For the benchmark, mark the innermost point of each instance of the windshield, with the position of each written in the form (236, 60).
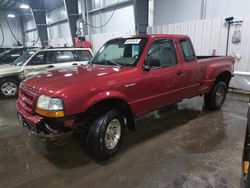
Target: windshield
(23, 58)
(120, 52)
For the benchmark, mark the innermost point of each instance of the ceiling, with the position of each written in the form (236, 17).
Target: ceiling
(8, 4)
(13, 5)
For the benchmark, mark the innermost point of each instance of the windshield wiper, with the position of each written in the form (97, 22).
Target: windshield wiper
(112, 62)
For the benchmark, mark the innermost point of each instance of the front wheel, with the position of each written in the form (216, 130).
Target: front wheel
(8, 87)
(216, 98)
(105, 135)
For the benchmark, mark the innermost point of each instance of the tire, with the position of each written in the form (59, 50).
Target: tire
(98, 140)
(9, 87)
(216, 98)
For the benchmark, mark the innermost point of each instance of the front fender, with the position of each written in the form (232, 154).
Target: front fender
(103, 96)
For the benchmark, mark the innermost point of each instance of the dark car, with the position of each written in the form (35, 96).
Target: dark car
(4, 49)
(246, 154)
(11, 55)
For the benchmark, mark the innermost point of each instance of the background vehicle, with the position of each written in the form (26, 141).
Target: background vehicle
(246, 154)
(127, 78)
(10, 55)
(36, 61)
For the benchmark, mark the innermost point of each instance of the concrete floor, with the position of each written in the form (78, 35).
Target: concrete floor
(182, 146)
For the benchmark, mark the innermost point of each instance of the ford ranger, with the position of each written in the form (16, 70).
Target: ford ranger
(127, 78)
(35, 61)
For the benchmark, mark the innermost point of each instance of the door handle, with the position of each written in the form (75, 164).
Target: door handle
(179, 73)
(50, 66)
(74, 64)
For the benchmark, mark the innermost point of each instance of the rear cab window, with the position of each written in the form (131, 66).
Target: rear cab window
(187, 50)
(83, 55)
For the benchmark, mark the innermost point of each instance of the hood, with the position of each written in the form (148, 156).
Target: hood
(62, 82)
(9, 69)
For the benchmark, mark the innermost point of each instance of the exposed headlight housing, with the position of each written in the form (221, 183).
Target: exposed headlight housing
(50, 107)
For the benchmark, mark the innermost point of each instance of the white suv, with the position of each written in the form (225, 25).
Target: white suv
(36, 61)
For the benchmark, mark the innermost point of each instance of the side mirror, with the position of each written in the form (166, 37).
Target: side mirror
(145, 66)
(155, 62)
(152, 63)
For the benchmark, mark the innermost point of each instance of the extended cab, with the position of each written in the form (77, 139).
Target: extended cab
(35, 61)
(127, 78)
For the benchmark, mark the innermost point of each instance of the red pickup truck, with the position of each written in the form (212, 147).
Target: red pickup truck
(127, 78)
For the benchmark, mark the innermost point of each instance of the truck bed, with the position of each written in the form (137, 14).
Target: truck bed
(206, 57)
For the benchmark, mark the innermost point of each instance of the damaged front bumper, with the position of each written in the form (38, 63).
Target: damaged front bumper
(48, 128)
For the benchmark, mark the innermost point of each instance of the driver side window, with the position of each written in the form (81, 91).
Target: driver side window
(162, 54)
(38, 59)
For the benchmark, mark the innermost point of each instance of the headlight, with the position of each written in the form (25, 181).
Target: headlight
(50, 107)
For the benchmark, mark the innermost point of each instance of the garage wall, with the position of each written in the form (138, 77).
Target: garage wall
(58, 29)
(209, 36)
(174, 11)
(31, 34)
(122, 20)
(16, 28)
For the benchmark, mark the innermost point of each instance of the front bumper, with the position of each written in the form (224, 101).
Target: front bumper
(48, 128)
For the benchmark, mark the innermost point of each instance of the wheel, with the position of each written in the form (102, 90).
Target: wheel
(105, 135)
(215, 99)
(9, 87)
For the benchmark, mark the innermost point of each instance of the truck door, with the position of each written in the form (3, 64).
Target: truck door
(189, 69)
(159, 84)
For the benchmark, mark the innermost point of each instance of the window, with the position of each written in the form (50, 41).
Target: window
(84, 55)
(38, 59)
(23, 58)
(162, 54)
(53, 57)
(187, 50)
(120, 51)
(11, 56)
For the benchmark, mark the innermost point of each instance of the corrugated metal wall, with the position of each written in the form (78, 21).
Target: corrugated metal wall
(15, 26)
(58, 34)
(31, 34)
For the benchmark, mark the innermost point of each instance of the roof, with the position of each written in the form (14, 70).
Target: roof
(64, 49)
(175, 36)
(172, 36)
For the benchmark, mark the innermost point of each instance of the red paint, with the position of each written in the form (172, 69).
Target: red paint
(83, 86)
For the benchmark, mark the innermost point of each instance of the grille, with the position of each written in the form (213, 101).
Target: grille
(27, 98)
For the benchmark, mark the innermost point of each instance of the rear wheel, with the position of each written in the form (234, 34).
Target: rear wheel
(8, 87)
(215, 99)
(105, 135)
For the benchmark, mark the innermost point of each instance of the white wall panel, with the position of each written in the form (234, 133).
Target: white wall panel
(174, 11)
(31, 37)
(9, 40)
(56, 15)
(58, 34)
(123, 19)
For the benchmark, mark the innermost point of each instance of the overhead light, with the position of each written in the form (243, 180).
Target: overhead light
(24, 6)
(11, 16)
